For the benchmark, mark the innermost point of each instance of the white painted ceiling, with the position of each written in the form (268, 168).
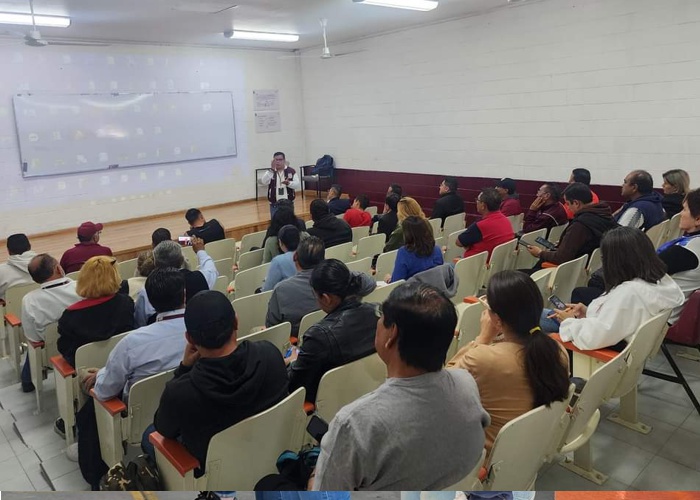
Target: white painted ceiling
(202, 22)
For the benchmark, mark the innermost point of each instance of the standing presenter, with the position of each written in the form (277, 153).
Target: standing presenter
(281, 180)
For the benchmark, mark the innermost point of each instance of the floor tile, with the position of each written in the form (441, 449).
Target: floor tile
(39, 481)
(18, 483)
(617, 459)
(559, 478)
(28, 459)
(41, 436)
(683, 448)
(9, 469)
(663, 474)
(72, 481)
(662, 408)
(58, 466)
(692, 423)
(6, 451)
(652, 442)
(662, 388)
(50, 450)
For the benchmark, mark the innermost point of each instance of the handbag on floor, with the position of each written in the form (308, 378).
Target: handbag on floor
(140, 474)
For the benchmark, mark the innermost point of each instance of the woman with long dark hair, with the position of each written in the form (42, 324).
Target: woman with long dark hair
(419, 252)
(284, 215)
(516, 366)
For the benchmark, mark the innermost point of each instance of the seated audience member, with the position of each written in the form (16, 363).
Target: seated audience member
(144, 267)
(356, 216)
(219, 381)
(336, 204)
(344, 335)
(393, 189)
(636, 288)
(87, 246)
(101, 314)
(523, 370)
(160, 234)
(491, 230)
(546, 211)
(584, 232)
(386, 222)
(332, 230)
(583, 176)
(449, 202)
(282, 266)
(14, 271)
(422, 403)
(643, 208)
(168, 254)
(146, 351)
(406, 207)
(510, 200)
(206, 230)
(45, 305)
(419, 252)
(676, 185)
(293, 298)
(284, 216)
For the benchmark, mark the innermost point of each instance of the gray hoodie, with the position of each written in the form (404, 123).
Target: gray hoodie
(14, 271)
(441, 277)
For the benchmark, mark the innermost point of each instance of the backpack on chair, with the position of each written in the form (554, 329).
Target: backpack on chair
(325, 166)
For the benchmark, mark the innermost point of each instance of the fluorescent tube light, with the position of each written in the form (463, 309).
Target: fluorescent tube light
(258, 35)
(422, 5)
(26, 20)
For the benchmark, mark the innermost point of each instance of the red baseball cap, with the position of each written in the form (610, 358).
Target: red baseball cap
(88, 229)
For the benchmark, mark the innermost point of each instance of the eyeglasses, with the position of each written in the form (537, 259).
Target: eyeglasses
(484, 302)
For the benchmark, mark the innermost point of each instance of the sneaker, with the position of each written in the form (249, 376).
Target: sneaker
(72, 452)
(59, 427)
(28, 387)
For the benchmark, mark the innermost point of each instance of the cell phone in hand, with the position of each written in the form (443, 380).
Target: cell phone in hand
(185, 240)
(524, 243)
(557, 302)
(545, 243)
(317, 428)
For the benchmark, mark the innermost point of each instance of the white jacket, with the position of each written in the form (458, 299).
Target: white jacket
(616, 315)
(14, 271)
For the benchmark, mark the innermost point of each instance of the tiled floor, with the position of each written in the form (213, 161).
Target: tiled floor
(32, 456)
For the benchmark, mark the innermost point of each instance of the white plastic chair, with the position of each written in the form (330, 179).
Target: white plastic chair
(278, 335)
(468, 326)
(523, 259)
(251, 311)
(436, 224)
(307, 321)
(470, 276)
(361, 265)
(13, 322)
(342, 252)
(221, 284)
(502, 259)
(250, 259)
(385, 265)
(453, 223)
(565, 277)
(555, 233)
(190, 257)
(516, 221)
(127, 268)
(381, 293)
(246, 282)
(222, 249)
(657, 234)
(238, 456)
(309, 224)
(73, 275)
(674, 230)
(470, 482)
(251, 240)
(372, 210)
(453, 251)
(358, 233)
(369, 246)
(39, 354)
(225, 268)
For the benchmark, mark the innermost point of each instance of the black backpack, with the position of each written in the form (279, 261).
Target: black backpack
(140, 474)
(325, 166)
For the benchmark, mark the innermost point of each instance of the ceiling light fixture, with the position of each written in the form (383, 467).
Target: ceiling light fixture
(422, 5)
(26, 20)
(261, 36)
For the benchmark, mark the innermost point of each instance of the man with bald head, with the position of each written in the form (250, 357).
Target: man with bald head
(45, 305)
(643, 209)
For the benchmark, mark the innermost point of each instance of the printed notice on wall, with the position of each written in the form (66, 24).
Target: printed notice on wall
(267, 121)
(266, 100)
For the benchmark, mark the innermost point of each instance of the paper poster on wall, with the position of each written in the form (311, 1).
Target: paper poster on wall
(267, 121)
(266, 100)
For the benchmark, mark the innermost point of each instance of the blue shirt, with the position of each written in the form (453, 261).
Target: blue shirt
(144, 352)
(281, 268)
(408, 263)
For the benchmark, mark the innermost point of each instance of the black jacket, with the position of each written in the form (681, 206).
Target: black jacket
(345, 335)
(92, 320)
(216, 393)
(339, 206)
(210, 231)
(447, 204)
(387, 223)
(672, 203)
(332, 230)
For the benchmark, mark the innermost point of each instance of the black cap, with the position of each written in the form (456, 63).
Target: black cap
(506, 183)
(209, 313)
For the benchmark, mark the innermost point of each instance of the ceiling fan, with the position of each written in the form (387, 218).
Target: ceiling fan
(326, 51)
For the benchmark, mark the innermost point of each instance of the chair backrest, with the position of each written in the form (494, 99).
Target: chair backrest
(95, 354)
(470, 482)
(222, 249)
(469, 323)
(221, 284)
(595, 262)
(436, 224)
(502, 258)
(334, 391)
(657, 234)
(674, 230)
(144, 398)
(73, 275)
(250, 259)
(522, 445)
(541, 279)
(453, 251)
(516, 221)
(686, 330)
(372, 210)
(309, 224)
(190, 257)
(453, 223)
(225, 267)
(638, 350)
(359, 232)
(369, 246)
(51, 341)
(555, 233)
(385, 264)
(14, 296)
(360, 265)
(470, 275)
(381, 293)
(523, 259)
(308, 320)
(251, 240)
(565, 277)
(248, 450)
(127, 268)
(342, 252)
(278, 335)
(251, 311)
(246, 282)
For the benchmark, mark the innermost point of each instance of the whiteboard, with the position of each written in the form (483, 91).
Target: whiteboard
(61, 134)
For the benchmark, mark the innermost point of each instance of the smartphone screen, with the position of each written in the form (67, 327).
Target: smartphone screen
(523, 243)
(545, 243)
(557, 302)
(317, 427)
(185, 240)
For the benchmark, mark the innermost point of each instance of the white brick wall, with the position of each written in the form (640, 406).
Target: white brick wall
(528, 91)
